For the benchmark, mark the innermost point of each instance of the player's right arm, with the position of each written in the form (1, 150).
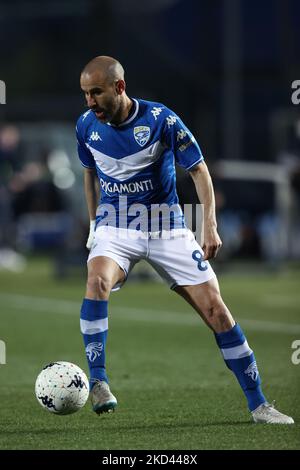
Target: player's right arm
(91, 188)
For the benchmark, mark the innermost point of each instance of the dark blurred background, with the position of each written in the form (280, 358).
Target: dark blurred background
(225, 66)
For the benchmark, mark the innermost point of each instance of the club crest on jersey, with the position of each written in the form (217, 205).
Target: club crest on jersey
(141, 134)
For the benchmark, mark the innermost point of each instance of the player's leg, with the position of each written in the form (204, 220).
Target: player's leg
(112, 256)
(179, 260)
(239, 358)
(103, 274)
(207, 301)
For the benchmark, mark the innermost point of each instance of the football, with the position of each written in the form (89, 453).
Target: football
(62, 388)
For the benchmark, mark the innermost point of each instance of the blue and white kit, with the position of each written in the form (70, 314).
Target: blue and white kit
(135, 164)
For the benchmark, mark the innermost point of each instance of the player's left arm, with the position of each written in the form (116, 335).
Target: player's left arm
(205, 191)
(188, 155)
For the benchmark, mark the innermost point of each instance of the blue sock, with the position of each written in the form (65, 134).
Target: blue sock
(94, 326)
(240, 359)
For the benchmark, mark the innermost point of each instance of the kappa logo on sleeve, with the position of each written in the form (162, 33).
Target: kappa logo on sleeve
(171, 120)
(156, 111)
(181, 134)
(95, 136)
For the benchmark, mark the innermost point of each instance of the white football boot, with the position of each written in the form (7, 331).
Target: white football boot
(266, 413)
(103, 401)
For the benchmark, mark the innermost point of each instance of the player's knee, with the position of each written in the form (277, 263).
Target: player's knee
(218, 315)
(99, 285)
(104, 285)
(216, 310)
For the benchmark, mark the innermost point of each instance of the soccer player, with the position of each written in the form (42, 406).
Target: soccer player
(132, 146)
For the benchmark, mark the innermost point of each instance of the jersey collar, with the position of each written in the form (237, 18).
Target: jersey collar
(132, 116)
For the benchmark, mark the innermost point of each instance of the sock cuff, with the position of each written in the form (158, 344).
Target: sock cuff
(231, 338)
(94, 309)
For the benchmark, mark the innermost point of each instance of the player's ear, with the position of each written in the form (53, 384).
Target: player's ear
(120, 86)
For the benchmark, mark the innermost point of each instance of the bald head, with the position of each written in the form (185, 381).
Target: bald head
(108, 68)
(103, 84)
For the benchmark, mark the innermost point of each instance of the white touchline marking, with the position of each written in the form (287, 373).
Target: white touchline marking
(71, 307)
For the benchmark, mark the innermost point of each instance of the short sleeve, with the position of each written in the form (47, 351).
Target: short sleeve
(182, 142)
(85, 156)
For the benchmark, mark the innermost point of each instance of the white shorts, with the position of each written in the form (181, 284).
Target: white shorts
(175, 255)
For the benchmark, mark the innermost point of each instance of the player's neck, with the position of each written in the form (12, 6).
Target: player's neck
(124, 112)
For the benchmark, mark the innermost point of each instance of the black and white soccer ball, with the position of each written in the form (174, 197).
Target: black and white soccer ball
(62, 388)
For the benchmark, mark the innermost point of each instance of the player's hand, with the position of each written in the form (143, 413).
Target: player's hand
(91, 234)
(212, 243)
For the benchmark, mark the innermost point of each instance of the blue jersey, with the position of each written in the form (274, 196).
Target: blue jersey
(135, 161)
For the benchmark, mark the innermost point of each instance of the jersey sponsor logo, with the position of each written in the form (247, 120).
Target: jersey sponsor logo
(121, 188)
(95, 136)
(156, 111)
(171, 120)
(94, 350)
(141, 134)
(252, 371)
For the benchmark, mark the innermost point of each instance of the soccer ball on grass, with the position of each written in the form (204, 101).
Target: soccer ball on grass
(62, 388)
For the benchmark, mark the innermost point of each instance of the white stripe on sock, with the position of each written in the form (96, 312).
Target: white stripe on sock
(237, 352)
(92, 327)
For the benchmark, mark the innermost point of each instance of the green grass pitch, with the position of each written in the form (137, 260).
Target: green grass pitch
(173, 389)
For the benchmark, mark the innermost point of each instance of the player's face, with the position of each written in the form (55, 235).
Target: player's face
(103, 97)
